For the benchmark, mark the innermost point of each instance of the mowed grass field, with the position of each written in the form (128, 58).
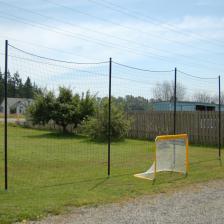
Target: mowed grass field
(50, 173)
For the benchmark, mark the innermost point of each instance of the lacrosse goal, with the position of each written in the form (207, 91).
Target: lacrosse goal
(171, 154)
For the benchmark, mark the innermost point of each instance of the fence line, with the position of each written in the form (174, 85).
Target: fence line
(201, 127)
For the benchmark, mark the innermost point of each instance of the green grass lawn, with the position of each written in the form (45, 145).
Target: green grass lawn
(12, 115)
(49, 173)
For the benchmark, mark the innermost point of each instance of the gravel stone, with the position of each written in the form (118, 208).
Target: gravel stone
(196, 204)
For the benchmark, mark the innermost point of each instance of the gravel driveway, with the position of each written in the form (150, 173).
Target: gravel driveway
(201, 203)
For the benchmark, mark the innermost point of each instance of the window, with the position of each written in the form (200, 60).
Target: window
(205, 108)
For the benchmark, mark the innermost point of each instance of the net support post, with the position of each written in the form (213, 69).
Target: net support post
(187, 155)
(175, 101)
(109, 118)
(5, 117)
(219, 144)
(174, 113)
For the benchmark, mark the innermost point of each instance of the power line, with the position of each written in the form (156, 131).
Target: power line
(40, 26)
(44, 47)
(138, 15)
(126, 40)
(158, 36)
(98, 41)
(62, 32)
(123, 39)
(130, 28)
(46, 27)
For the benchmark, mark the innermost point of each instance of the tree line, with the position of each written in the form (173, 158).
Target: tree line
(164, 91)
(17, 88)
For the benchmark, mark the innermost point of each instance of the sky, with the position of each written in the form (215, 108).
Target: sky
(154, 35)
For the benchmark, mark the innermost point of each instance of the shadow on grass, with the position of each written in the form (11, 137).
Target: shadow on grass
(57, 135)
(169, 177)
(70, 183)
(72, 136)
(63, 136)
(63, 184)
(89, 180)
(99, 184)
(162, 177)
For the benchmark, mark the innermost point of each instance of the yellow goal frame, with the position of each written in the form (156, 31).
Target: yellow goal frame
(169, 137)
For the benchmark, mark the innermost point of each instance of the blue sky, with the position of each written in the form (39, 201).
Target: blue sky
(158, 35)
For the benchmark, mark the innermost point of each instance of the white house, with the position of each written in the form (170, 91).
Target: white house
(15, 105)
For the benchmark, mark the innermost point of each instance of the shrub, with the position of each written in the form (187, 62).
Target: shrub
(97, 126)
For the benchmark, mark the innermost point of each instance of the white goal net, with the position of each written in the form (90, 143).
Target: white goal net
(171, 154)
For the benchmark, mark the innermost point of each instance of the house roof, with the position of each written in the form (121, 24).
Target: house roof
(13, 101)
(186, 102)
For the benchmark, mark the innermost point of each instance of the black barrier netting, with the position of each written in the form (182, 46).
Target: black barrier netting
(198, 108)
(58, 117)
(2, 133)
(43, 153)
(138, 91)
(2, 156)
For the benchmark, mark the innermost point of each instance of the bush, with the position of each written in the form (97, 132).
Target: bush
(65, 109)
(97, 127)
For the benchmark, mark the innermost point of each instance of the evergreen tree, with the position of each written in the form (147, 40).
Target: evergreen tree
(10, 85)
(17, 85)
(16, 88)
(28, 89)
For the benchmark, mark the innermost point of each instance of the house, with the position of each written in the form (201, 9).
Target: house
(15, 105)
(186, 106)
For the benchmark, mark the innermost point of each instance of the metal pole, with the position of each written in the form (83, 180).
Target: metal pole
(6, 110)
(174, 114)
(109, 117)
(175, 101)
(219, 118)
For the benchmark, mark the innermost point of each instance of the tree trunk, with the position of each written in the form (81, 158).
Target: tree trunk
(64, 128)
